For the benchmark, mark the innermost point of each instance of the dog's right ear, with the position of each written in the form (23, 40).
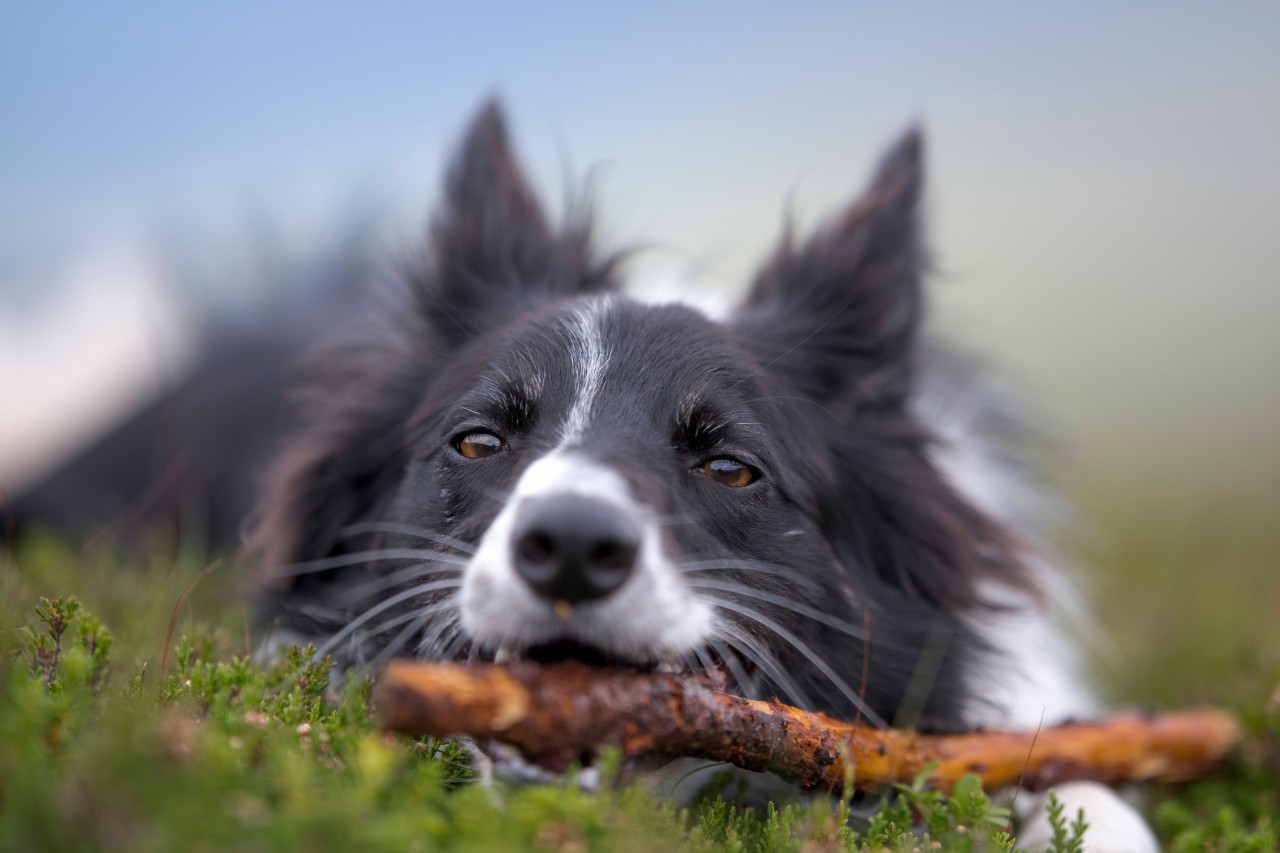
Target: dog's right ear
(494, 255)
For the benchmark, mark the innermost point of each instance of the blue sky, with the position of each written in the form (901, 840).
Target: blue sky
(139, 109)
(1105, 189)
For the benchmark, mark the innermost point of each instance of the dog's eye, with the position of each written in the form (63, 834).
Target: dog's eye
(478, 445)
(728, 471)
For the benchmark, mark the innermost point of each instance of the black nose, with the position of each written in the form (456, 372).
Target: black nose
(574, 549)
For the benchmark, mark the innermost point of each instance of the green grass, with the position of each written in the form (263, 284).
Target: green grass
(103, 746)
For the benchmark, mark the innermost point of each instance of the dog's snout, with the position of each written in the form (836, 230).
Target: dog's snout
(574, 549)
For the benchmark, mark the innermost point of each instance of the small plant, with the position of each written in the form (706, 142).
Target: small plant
(224, 751)
(45, 649)
(1065, 838)
(966, 820)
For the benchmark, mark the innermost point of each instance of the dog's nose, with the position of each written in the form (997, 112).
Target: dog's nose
(574, 549)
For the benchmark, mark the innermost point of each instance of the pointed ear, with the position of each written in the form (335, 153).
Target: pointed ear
(838, 315)
(493, 253)
(487, 195)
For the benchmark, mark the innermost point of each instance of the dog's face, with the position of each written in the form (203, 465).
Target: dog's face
(536, 466)
(618, 465)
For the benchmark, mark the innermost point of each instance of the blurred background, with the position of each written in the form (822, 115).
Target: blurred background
(182, 182)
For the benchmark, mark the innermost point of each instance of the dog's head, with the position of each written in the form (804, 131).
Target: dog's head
(532, 464)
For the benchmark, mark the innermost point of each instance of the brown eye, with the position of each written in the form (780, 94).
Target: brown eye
(728, 471)
(478, 445)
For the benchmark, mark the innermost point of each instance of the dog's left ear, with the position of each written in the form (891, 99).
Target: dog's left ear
(494, 254)
(838, 314)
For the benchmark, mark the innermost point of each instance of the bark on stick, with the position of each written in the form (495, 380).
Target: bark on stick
(563, 711)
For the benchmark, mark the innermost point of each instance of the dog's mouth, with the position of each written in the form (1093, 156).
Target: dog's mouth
(509, 763)
(710, 666)
(568, 649)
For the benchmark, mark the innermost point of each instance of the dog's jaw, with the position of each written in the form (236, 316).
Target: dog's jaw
(652, 618)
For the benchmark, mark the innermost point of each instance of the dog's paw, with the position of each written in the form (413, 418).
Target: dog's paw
(1114, 825)
(498, 763)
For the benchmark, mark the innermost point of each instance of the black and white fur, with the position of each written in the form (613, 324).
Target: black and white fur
(883, 562)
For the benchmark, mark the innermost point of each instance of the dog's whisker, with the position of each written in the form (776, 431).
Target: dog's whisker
(407, 530)
(749, 567)
(758, 655)
(420, 571)
(400, 640)
(780, 601)
(382, 607)
(417, 613)
(389, 581)
(319, 612)
(774, 398)
(729, 563)
(744, 682)
(361, 638)
(431, 644)
(812, 656)
(702, 659)
(455, 647)
(417, 617)
(358, 557)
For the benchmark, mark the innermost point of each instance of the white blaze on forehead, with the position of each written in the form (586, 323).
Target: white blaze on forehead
(590, 356)
(566, 473)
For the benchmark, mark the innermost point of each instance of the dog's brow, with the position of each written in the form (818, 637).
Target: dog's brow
(693, 413)
(695, 405)
(515, 400)
(700, 422)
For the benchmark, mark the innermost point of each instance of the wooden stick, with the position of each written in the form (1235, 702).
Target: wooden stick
(561, 712)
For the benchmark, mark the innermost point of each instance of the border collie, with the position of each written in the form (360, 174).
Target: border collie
(812, 500)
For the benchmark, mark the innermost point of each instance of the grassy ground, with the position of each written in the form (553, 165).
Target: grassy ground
(109, 742)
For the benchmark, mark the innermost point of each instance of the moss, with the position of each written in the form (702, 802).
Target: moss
(101, 748)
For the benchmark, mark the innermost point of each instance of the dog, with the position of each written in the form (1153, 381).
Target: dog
(812, 500)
